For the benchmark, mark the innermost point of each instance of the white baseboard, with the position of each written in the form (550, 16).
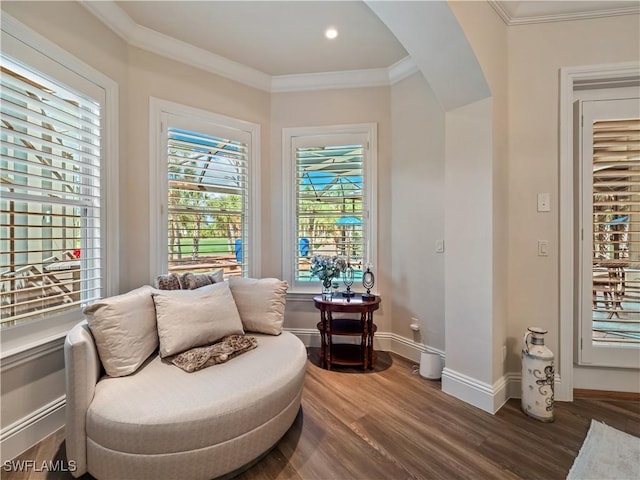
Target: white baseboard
(472, 391)
(515, 387)
(31, 429)
(385, 341)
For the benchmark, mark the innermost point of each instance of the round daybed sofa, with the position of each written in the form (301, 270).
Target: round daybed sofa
(161, 422)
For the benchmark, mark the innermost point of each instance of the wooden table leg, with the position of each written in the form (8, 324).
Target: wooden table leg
(363, 340)
(329, 339)
(370, 338)
(323, 339)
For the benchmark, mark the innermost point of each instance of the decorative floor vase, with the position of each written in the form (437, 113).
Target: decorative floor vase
(537, 376)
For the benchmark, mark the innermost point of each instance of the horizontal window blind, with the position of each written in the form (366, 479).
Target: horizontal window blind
(616, 231)
(208, 192)
(50, 196)
(329, 205)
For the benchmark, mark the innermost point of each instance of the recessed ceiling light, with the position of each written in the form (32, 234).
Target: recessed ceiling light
(331, 33)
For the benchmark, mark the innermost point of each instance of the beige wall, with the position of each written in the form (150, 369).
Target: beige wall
(36, 385)
(330, 107)
(536, 53)
(417, 206)
(150, 75)
(521, 66)
(487, 34)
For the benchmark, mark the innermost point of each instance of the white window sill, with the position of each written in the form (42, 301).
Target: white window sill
(31, 335)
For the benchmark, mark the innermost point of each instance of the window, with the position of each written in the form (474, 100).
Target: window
(52, 247)
(208, 166)
(330, 176)
(610, 318)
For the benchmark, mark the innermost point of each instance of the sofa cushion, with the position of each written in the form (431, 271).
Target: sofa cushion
(161, 409)
(261, 303)
(124, 329)
(191, 318)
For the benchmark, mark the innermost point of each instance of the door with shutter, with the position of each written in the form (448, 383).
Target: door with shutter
(610, 231)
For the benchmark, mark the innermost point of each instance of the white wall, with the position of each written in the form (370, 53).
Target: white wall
(417, 212)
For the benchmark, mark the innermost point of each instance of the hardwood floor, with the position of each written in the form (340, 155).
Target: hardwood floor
(393, 424)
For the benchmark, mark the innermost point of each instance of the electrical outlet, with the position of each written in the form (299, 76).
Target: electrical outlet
(544, 202)
(504, 353)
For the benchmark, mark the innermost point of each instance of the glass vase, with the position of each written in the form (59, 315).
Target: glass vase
(327, 292)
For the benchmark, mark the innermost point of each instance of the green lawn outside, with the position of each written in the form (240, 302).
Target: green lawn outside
(207, 246)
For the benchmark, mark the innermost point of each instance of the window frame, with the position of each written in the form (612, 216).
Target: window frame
(159, 109)
(26, 46)
(289, 187)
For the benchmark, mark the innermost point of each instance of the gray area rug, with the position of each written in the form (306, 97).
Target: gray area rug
(607, 453)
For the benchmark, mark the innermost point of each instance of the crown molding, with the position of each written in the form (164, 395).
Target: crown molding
(114, 17)
(560, 17)
(145, 38)
(402, 69)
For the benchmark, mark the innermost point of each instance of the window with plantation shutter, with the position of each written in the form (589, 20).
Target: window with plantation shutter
(610, 324)
(206, 166)
(51, 242)
(207, 202)
(330, 174)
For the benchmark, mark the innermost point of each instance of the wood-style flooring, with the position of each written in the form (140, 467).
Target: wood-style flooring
(392, 424)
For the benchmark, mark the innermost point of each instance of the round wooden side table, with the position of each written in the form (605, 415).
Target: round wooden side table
(363, 327)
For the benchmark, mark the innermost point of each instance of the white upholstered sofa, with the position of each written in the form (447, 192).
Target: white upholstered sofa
(149, 419)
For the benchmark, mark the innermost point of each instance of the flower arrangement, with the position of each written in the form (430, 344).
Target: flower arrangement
(327, 268)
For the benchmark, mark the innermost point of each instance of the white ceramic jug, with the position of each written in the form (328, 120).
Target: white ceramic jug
(537, 376)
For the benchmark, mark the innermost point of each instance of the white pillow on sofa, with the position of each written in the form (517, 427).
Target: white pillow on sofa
(192, 318)
(124, 329)
(261, 303)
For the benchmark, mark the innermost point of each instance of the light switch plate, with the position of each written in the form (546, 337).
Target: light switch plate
(543, 248)
(439, 246)
(544, 202)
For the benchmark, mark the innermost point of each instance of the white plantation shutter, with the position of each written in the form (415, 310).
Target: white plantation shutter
(50, 196)
(208, 192)
(329, 204)
(612, 215)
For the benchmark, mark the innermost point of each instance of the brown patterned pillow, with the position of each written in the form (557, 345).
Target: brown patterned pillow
(220, 352)
(170, 281)
(191, 281)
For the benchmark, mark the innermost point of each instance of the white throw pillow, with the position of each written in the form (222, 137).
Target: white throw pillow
(191, 318)
(124, 329)
(261, 303)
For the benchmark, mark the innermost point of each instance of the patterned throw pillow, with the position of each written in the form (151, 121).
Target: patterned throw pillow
(223, 351)
(170, 281)
(191, 281)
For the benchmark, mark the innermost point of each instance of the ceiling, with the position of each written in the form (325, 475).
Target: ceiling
(259, 42)
(277, 38)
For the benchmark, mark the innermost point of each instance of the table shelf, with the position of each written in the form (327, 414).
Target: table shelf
(363, 327)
